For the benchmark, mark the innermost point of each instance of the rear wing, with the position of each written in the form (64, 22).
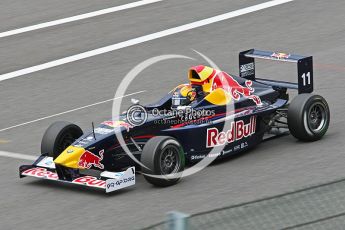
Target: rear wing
(304, 68)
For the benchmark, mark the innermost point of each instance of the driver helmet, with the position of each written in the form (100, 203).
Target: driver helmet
(183, 96)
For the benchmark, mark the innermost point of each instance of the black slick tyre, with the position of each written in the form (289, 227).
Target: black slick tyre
(58, 137)
(308, 117)
(163, 157)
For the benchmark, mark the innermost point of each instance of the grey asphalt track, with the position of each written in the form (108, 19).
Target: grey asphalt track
(311, 27)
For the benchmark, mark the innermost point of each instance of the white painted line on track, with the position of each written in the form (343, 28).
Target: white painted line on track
(143, 39)
(18, 156)
(77, 17)
(69, 111)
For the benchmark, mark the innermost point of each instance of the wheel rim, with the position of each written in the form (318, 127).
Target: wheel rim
(317, 117)
(170, 160)
(66, 141)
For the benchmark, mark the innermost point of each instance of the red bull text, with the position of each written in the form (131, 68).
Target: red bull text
(90, 181)
(41, 173)
(237, 131)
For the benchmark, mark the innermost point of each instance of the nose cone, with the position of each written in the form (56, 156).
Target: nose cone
(70, 157)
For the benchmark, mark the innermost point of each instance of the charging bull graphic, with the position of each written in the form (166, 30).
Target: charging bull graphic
(211, 79)
(228, 83)
(88, 159)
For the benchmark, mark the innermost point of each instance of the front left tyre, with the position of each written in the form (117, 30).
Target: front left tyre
(164, 161)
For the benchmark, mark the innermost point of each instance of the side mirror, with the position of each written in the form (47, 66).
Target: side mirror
(135, 101)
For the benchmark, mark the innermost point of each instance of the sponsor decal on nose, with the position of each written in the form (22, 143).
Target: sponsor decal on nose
(70, 157)
(89, 159)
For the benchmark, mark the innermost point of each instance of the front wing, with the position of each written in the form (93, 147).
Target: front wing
(44, 168)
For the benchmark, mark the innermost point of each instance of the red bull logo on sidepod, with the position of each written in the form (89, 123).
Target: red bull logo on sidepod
(237, 131)
(88, 159)
(228, 83)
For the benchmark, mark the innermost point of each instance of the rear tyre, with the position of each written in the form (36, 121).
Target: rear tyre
(164, 157)
(58, 137)
(308, 117)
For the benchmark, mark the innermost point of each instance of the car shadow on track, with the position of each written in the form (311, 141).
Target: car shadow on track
(71, 188)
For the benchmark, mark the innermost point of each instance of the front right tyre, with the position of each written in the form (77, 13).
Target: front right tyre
(58, 137)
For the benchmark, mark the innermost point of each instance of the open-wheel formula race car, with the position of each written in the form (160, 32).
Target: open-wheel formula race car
(167, 139)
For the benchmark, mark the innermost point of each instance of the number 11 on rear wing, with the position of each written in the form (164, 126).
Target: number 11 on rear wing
(304, 69)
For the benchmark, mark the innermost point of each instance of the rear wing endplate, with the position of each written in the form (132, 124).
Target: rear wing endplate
(304, 68)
